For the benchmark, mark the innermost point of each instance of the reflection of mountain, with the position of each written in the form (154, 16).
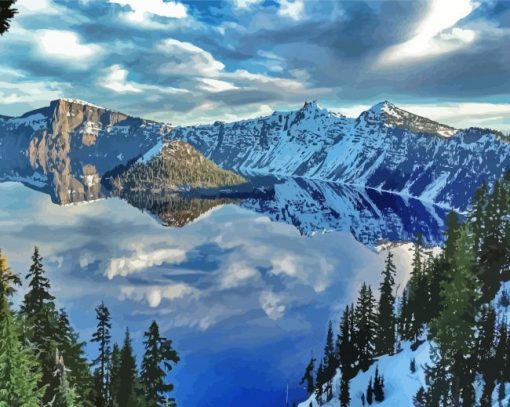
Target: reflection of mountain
(312, 207)
(173, 209)
(371, 216)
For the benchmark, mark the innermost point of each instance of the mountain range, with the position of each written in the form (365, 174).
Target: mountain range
(68, 146)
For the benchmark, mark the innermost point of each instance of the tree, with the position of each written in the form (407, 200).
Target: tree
(454, 329)
(7, 12)
(102, 363)
(378, 389)
(385, 315)
(19, 372)
(127, 374)
(115, 361)
(157, 363)
(329, 361)
(370, 392)
(366, 326)
(346, 346)
(40, 318)
(345, 397)
(308, 376)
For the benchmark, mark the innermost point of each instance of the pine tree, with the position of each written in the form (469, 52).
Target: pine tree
(345, 397)
(385, 315)
(308, 376)
(370, 392)
(102, 363)
(329, 361)
(319, 383)
(366, 326)
(345, 349)
(454, 329)
(19, 371)
(419, 398)
(127, 374)
(7, 12)
(40, 318)
(115, 374)
(157, 363)
(412, 365)
(378, 389)
(417, 299)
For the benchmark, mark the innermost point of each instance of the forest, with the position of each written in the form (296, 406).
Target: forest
(43, 360)
(454, 299)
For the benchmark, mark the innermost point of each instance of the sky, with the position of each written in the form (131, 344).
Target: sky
(186, 62)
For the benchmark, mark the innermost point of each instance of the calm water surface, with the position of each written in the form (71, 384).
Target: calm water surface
(245, 299)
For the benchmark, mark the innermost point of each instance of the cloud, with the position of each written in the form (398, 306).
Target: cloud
(291, 8)
(237, 274)
(153, 295)
(246, 4)
(140, 8)
(216, 85)
(430, 38)
(66, 46)
(185, 58)
(141, 261)
(272, 305)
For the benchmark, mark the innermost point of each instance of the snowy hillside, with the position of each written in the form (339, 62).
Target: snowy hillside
(385, 148)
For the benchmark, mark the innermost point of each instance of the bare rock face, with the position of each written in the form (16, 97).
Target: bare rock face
(69, 144)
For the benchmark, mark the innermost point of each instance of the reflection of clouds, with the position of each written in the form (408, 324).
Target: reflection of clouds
(141, 261)
(271, 304)
(227, 265)
(153, 295)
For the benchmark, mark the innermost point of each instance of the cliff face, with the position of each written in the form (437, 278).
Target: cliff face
(69, 144)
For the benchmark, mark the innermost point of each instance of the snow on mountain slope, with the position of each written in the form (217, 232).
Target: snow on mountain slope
(385, 148)
(400, 384)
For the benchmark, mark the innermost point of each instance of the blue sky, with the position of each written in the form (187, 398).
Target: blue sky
(198, 61)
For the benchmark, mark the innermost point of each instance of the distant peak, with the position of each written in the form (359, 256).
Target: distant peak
(383, 107)
(78, 102)
(312, 106)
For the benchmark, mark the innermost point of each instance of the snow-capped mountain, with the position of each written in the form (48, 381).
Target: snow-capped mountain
(68, 145)
(385, 148)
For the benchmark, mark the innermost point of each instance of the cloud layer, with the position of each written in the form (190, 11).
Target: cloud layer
(188, 62)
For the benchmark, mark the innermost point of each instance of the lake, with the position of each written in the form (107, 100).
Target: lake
(243, 283)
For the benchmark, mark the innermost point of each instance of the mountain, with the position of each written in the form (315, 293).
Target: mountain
(66, 146)
(385, 148)
(173, 166)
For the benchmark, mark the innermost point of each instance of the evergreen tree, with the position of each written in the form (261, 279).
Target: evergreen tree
(319, 383)
(419, 398)
(157, 363)
(385, 315)
(115, 374)
(454, 329)
(412, 365)
(418, 299)
(40, 318)
(378, 389)
(329, 362)
(370, 392)
(102, 363)
(346, 348)
(127, 374)
(19, 372)
(308, 376)
(366, 326)
(7, 12)
(345, 397)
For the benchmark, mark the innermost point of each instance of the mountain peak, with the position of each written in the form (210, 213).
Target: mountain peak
(78, 102)
(383, 107)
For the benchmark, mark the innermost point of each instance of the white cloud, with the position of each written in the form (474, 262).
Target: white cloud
(116, 78)
(216, 85)
(431, 37)
(153, 295)
(291, 8)
(272, 305)
(185, 58)
(237, 274)
(140, 8)
(245, 4)
(140, 261)
(33, 93)
(66, 46)
(27, 7)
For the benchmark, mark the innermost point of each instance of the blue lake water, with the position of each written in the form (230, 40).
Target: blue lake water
(244, 287)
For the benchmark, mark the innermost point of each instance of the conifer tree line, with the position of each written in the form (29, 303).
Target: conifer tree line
(43, 361)
(454, 299)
